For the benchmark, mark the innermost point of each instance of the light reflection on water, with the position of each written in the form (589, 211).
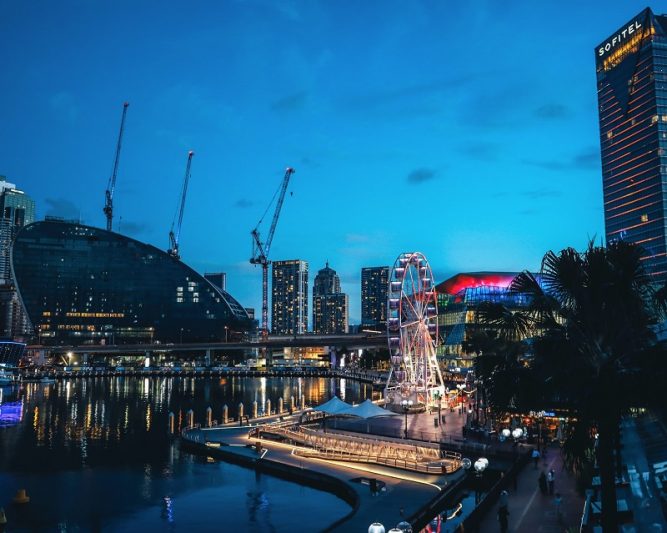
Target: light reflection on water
(105, 440)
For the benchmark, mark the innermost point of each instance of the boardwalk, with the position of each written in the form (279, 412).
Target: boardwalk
(532, 512)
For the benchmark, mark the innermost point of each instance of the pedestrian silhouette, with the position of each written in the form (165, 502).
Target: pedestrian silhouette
(503, 515)
(542, 482)
(551, 480)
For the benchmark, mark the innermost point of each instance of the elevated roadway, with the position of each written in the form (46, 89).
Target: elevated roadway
(350, 342)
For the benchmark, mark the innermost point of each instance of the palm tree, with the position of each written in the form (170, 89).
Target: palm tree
(591, 315)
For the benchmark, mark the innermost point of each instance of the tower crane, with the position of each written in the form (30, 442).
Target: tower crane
(173, 236)
(108, 202)
(260, 251)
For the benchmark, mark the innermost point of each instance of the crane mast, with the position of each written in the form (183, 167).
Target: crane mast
(174, 236)
(108, 197)
(260, 251)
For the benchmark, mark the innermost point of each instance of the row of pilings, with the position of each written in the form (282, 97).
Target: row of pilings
(280, 409)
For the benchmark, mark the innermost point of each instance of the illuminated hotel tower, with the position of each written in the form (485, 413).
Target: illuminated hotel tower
(289, 291)
(631, 69)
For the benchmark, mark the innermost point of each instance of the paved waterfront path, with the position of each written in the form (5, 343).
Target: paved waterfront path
(405, 491)
(532, 512)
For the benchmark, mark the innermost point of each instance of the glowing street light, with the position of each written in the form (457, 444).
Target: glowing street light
(406, 404)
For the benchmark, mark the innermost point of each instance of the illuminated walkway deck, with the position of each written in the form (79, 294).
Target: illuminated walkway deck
(398, 494)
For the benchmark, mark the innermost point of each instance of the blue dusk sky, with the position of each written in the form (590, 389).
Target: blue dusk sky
(464, 130)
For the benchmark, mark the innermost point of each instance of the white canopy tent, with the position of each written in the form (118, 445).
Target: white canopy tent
(367, 409)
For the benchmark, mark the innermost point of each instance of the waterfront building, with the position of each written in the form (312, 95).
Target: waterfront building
(632, 103)
(289, 297)
(374, 287)
(459, 298)
(330, 305)
(17, 209)
(84, 285)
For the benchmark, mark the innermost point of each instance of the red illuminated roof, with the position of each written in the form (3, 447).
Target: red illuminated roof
(469, 280)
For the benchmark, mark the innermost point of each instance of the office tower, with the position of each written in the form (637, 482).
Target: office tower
(17, 209)
(632, 101)
(289, 297)
(374, 286)
(330, 305)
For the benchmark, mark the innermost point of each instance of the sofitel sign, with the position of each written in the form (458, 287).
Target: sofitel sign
(619, 38)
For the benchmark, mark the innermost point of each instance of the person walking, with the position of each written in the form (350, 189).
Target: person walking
(558, 502)
(535, 455)
(504, 497)
(551, 480)
(503, 520)
(542, 482)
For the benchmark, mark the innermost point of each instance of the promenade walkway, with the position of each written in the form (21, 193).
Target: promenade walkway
(402, 495)
(533, 512)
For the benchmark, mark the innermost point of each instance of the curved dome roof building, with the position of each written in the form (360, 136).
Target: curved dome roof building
(84, 285)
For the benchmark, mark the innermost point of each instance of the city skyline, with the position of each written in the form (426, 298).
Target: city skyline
(483, 147)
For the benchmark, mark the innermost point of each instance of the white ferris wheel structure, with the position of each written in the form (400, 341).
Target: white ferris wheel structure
(412, 331)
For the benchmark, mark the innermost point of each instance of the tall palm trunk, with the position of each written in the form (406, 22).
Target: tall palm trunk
(605, 456)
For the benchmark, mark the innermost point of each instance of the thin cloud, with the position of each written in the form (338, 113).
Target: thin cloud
(243, 203)
(552, 111)
(130, 227)
(586, 159)
(292, 102)
(538, 194)
(420, 175)
(480, 150)
(60, 207)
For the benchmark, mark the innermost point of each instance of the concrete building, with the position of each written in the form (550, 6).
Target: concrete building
(289, 297)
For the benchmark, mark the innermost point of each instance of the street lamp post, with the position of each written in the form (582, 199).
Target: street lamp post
(406, 404)
(460, 387)
(226, 333)
(480, 465)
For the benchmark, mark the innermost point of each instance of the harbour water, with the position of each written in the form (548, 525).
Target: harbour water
(94, 454)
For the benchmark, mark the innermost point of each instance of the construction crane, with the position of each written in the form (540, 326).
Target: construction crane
(173, 236)
(108, 203)
(260, 251)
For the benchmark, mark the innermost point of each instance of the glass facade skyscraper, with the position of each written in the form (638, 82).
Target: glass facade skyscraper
(289, 297)
(374, 287)
(631, 69)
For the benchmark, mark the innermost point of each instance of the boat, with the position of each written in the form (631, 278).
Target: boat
(7, 377)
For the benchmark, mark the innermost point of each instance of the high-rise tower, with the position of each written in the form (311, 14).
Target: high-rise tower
(330, 305)
(631, 69)
(289, 297)
(374, 286)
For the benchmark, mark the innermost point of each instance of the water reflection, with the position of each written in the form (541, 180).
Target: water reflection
(106, 440)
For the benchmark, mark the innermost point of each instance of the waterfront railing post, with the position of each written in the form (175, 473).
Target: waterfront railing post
(225, 414)
(280, 406)
(303, 401)
(268, 408)
(241, 414)
(190, 417)
(209, 416)
(292, 404)
(254, 409)
(171, 423)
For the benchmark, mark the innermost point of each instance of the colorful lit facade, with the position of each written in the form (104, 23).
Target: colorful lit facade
(82, 285)
(458, 300)
(631, 67)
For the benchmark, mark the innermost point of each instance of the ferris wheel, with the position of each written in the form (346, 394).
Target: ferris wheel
(412, 330)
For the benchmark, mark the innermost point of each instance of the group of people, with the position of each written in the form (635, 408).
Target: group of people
(547, 484)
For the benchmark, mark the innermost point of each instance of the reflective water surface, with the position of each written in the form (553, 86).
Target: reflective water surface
(95, 455)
